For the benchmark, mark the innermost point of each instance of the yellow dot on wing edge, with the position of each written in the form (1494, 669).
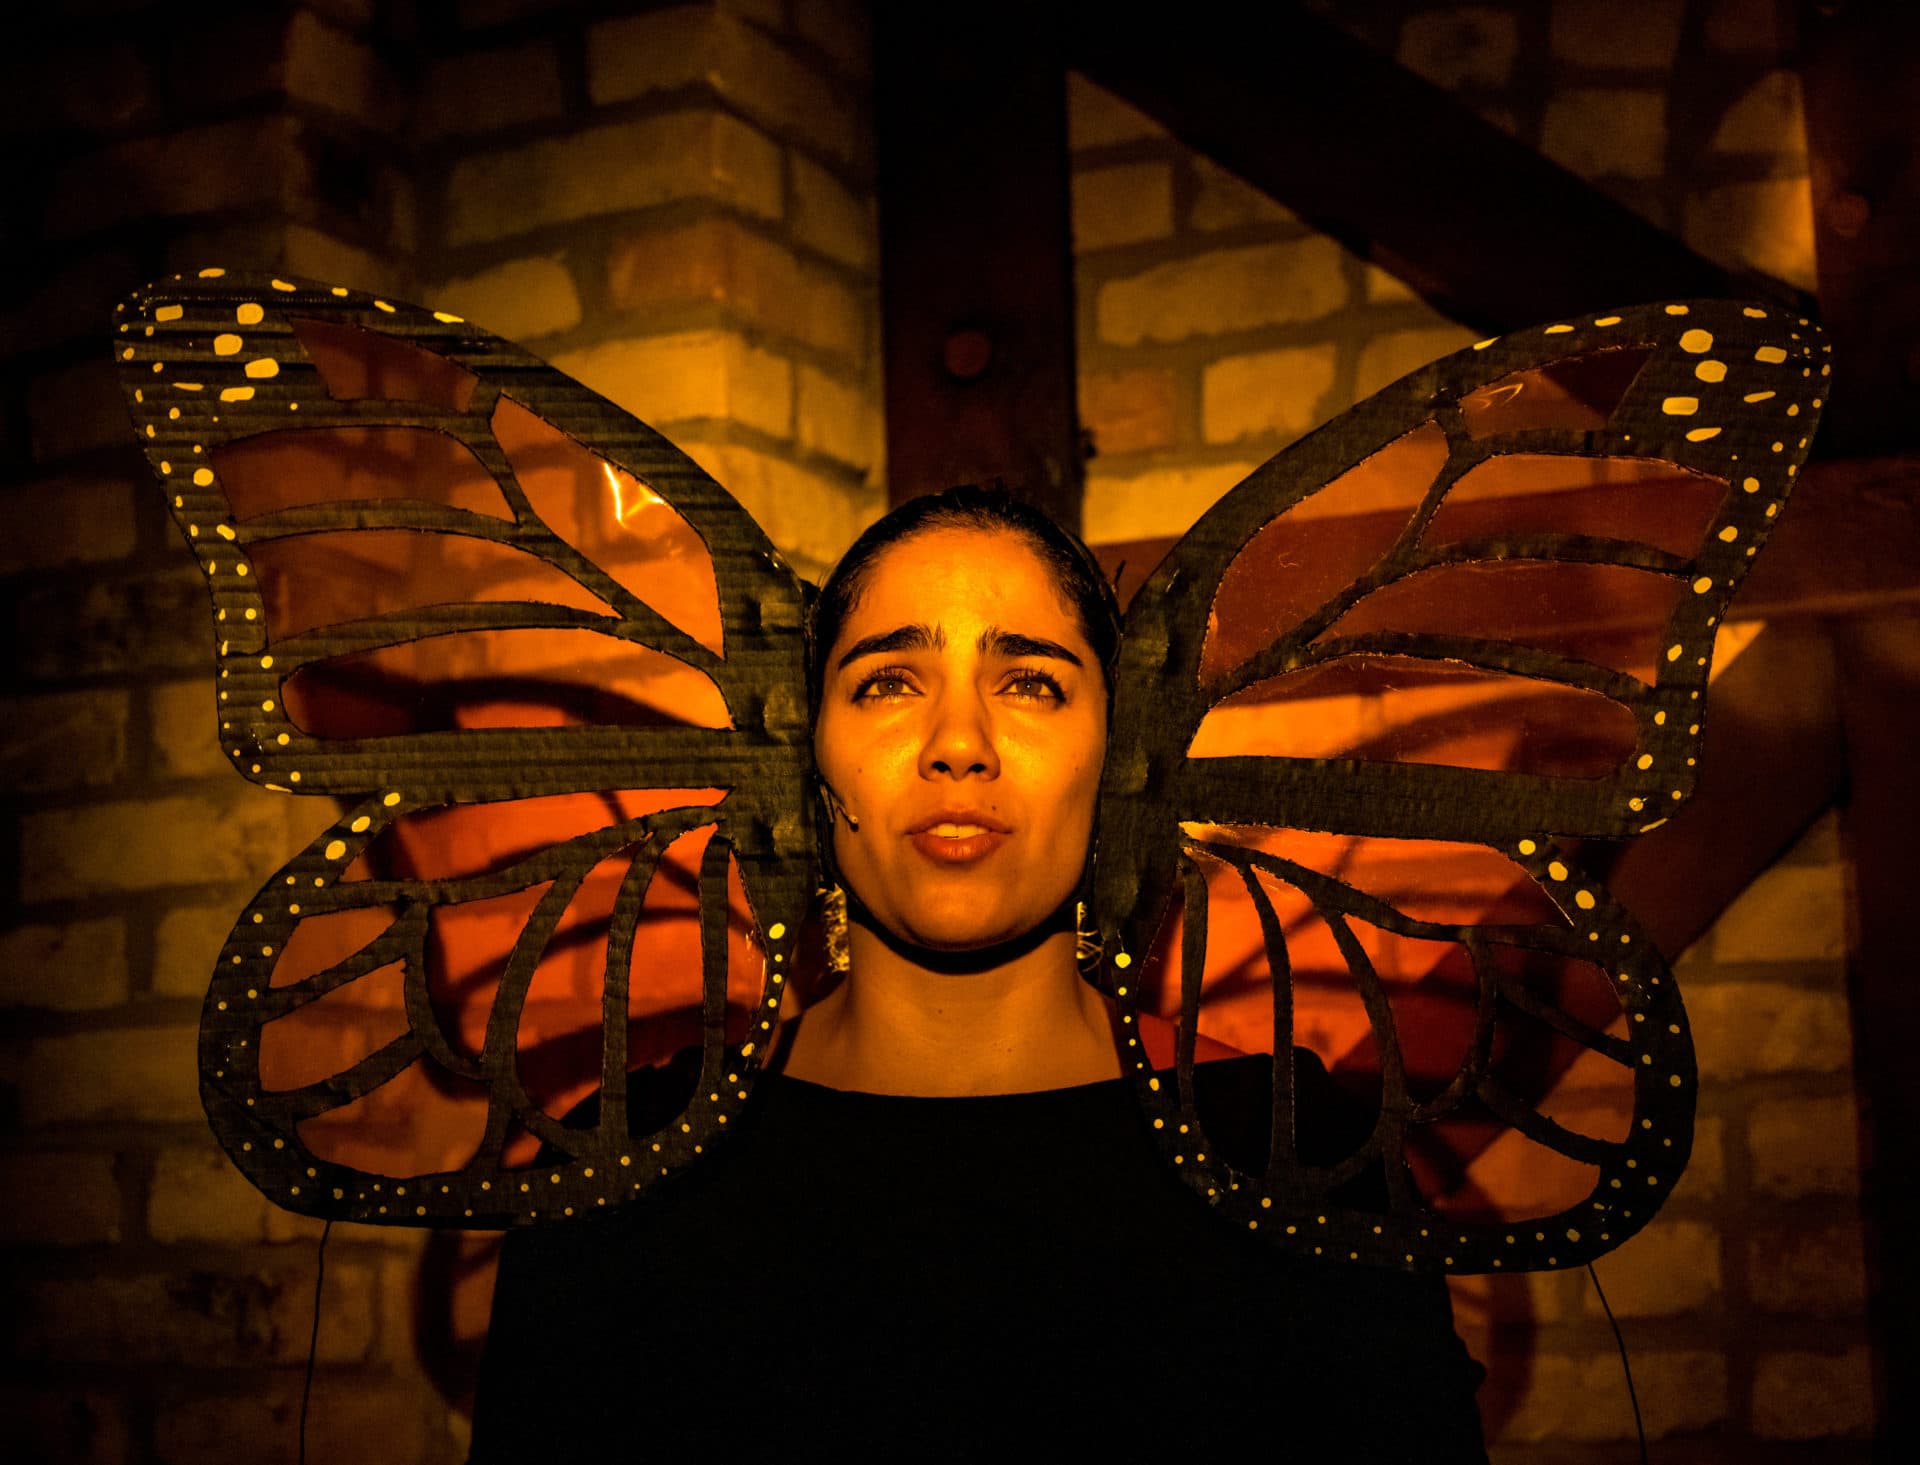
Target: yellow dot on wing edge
(1608, 320)
(249, 314)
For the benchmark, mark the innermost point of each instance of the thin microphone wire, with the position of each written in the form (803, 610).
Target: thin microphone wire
(1626, 1368)
(313, 1339)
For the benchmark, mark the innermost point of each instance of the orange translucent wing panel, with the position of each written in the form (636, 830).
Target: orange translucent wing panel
(313, 580)
(464, 840)
(617, 521)
(1602, 613)
(518, 678)
(558, 1044)
(330, 1035)
(1432, 991)
(1640, 500)
(323, 941)
(357, 365)
(422, 1121)
(1424, 880)
(1577, 395)
(1478, 1168)
(1402, 710)
(297, 468)
(1294, 564)
(558, 1035)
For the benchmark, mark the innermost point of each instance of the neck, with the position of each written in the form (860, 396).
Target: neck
(1007, 1021)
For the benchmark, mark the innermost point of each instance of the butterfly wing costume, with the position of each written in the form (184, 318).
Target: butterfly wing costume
(401, 517)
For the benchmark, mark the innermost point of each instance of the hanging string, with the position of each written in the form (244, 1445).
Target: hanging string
(1626, 1368)
(313, 1339)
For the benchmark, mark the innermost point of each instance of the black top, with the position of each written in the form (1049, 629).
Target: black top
(861, 1276)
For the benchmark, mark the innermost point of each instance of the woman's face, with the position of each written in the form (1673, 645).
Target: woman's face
(962, 724)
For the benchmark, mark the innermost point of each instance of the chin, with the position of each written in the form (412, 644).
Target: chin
(964, 932)
(962, 926)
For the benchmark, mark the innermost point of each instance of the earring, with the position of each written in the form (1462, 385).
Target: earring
(833, 925)
(833, 805)
(1087, 945)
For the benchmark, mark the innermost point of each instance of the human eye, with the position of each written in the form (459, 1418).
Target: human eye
(1034, 685)
(887, 684)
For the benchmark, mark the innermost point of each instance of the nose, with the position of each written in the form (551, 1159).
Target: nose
(960, 739)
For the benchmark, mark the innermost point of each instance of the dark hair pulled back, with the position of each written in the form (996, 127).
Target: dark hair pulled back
(1076, 573)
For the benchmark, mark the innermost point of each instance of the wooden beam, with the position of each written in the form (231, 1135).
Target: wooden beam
(1488, 231)
(1879, 662)
(1773, 723)
(1848, 543)
(976, 258)
(1862, 79)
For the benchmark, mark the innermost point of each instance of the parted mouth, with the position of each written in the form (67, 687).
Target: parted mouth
(958, 824)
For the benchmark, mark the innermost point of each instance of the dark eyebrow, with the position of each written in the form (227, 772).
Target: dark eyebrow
(1015, 647)
(900, 638)
(993, 642)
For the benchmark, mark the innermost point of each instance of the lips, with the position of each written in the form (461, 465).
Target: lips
(965, 820)
(957, 836)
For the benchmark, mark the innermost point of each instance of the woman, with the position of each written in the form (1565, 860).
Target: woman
(946, 1235)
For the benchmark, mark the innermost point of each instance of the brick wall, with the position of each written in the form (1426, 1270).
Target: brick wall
(676, 205)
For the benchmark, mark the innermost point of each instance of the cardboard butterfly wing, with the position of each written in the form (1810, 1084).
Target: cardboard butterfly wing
(1240, 774)
(559, 692)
